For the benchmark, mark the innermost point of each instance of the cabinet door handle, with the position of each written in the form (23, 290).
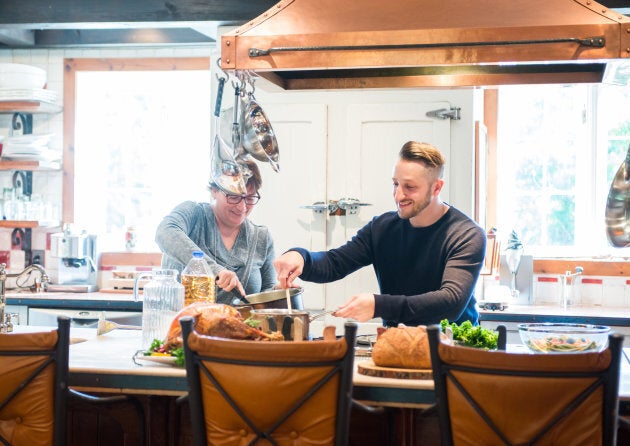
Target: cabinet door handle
(337, 207)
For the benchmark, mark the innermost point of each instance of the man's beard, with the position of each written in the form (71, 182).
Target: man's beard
(416, 208)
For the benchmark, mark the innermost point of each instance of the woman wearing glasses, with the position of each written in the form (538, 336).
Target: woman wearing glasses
(240, 253)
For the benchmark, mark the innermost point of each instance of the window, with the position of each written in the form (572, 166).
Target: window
(559, 148)
(141, 144)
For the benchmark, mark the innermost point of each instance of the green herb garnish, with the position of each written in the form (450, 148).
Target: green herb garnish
(158, 347)
(252, 322)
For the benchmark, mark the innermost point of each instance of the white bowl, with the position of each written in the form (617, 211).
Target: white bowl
(19, 76)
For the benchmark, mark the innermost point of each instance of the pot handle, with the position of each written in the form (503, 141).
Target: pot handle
(287, 328)
(318, 315)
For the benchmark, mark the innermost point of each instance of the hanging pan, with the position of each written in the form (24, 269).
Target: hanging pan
(225, 171)
(618, 206)
(257, 135)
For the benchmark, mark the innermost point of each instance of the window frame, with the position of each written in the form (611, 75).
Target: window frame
(613, 265)
(74, 65)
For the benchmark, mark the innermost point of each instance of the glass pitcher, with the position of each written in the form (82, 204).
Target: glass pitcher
(163, 298)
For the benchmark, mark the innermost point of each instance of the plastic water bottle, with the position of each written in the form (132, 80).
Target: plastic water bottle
(163, 298)
(198, 281)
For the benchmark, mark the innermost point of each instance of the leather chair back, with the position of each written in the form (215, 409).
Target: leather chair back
(501, 398)
(260, 392)
(33, 383)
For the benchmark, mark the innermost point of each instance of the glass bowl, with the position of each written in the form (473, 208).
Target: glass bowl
(564, 338)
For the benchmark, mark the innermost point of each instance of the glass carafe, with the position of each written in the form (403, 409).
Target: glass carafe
(163, 298)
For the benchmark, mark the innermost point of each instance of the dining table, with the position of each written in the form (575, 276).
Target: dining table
(115, 363)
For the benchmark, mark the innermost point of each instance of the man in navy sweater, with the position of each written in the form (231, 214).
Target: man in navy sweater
(427, 256)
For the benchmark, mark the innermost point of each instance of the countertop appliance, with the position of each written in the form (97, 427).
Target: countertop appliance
(76, 254)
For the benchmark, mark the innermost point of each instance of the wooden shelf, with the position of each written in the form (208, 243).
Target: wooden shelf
(28, 106)
(18, 224)
(29, 165)
(27, 224)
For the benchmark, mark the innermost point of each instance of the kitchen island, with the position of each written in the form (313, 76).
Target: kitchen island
(110, 364)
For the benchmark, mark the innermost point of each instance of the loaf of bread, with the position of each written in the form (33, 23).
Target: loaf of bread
(402, 347)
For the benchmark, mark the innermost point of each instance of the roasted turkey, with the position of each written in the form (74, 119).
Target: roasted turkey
(218, 320)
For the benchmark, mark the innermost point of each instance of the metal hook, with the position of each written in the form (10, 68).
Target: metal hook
(225, 75)
(242, 77)
(252, 82)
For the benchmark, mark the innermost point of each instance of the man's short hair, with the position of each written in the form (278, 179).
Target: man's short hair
(424, 153)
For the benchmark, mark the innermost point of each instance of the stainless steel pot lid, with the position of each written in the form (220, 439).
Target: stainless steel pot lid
(272, 295)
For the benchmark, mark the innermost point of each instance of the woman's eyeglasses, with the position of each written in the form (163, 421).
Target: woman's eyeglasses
(250, 200)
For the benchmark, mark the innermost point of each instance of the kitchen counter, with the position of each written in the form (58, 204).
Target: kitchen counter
(612, 316)
(97, 301)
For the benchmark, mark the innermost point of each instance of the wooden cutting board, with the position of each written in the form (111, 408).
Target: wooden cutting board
(368, 368)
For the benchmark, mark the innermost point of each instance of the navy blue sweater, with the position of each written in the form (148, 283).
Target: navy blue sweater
(424, 274)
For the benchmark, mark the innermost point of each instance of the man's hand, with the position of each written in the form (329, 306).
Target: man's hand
(360, 308)
(288, 267)
(228, 280)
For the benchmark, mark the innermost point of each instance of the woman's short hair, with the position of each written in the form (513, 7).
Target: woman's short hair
(424, 153)
(255, 180)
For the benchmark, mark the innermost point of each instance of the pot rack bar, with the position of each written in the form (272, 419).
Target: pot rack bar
(595, 42)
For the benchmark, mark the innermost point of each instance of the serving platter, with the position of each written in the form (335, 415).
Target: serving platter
(368, 368)
(167, 360)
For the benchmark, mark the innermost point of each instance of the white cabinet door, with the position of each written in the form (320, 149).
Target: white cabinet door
(368, 148)
(336, 145)
(301, 133)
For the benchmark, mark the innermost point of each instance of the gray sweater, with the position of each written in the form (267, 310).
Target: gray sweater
(191, 226)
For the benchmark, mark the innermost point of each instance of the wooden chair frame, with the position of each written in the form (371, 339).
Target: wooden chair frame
(538, 366)
(342, 367)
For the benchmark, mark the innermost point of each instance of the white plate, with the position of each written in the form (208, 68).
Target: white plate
(29, 140)
(169, 360)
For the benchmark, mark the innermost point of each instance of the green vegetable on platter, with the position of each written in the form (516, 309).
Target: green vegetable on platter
(158, 348)
(472, 335)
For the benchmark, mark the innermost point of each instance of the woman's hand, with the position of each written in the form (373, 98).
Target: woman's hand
(228, 280)
(288, 267)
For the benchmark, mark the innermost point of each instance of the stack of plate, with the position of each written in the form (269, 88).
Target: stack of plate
(29, 147)
(24, 94)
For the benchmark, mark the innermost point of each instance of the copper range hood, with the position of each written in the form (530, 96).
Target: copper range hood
(333, 44)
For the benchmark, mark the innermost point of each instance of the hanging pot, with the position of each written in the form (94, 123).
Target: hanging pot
(618, 206)
(257, 136)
